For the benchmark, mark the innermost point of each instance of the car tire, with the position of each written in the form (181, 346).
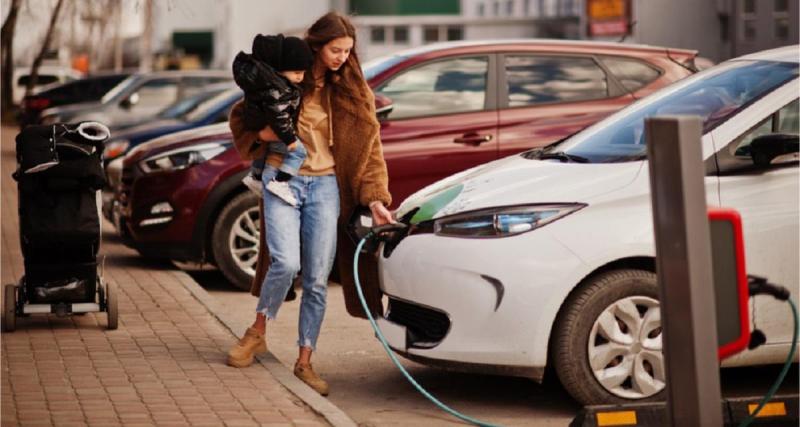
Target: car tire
(607, 344)
(236, 230)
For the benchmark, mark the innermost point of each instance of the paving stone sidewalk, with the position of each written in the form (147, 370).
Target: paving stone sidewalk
(165, 365)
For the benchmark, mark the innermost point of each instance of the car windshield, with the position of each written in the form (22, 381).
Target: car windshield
(715, 95)
(119, 89)
(379, 65)
(208, 106)
(181, 107)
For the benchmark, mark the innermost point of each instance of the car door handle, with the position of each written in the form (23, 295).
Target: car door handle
(472, 139)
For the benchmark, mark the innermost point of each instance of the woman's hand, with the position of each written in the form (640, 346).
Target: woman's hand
(380, 215)
(267, 134)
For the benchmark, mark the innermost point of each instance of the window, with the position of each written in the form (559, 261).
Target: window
(631, 73)
(510, 7)
(156, 93)
(749, 29)
(455, 33)
(198, 84)
(541, 79)
(749, 20)
(781, 15)
(481, 9)
(430, 34)
(737, 155)
(496, 8)
(782, 28)
(401, 35)
(441, 87)
(377, 35)
(789, 118)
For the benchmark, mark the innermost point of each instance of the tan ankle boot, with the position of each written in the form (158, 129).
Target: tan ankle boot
(307, 375)
(243, 353)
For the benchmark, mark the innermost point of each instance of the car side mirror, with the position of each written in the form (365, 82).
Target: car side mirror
(130, 101)
(774, 148)
(383, 106)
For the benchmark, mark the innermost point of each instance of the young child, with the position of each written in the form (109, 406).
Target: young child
(269, 79)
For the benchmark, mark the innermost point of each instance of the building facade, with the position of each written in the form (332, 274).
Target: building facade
(388, 26)
(718, 29)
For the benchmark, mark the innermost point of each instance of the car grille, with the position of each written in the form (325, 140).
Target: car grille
(426, 327)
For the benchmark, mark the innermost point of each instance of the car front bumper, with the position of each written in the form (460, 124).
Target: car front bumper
(500, 296)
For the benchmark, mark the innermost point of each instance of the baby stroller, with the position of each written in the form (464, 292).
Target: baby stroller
(59, 177)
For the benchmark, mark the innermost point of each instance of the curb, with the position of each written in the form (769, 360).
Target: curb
(324, 407)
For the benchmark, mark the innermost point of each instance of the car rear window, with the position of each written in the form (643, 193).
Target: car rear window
(631, 73)
(539, 79)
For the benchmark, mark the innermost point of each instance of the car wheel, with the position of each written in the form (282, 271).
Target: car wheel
(234, 240)
(607, 345)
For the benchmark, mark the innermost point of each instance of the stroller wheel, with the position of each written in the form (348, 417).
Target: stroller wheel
(10, 308)
(111, 304)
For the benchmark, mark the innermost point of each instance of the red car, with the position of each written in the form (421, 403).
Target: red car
(443, 108)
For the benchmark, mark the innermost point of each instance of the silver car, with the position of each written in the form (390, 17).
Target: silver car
(138, 97)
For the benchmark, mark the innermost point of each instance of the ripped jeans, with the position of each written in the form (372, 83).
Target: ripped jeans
(302, 236)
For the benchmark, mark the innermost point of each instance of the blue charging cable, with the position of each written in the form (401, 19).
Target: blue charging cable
(382, 339)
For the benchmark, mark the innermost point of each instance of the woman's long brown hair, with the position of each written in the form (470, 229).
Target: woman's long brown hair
(348, 79)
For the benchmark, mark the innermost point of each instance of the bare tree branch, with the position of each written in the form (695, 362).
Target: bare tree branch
(34, 75)
(7, 54)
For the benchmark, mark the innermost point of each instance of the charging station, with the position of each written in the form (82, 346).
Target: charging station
(696, 246)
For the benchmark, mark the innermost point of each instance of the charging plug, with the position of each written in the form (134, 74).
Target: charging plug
(387, 228)
(760, 286)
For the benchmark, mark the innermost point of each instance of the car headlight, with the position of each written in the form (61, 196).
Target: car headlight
(116, 148)
(502, 221)
(182, 158)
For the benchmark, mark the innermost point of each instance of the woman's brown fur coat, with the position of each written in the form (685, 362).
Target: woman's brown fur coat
(362, 177)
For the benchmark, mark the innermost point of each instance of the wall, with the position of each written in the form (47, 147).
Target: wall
(690, 24)
(252, 17)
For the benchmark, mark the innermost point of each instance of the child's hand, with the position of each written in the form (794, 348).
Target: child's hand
(267, 134)
(292, 146)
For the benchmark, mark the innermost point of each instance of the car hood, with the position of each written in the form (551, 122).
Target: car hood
(72, 108)
(182, 138)
(516, 180)
(157, 126)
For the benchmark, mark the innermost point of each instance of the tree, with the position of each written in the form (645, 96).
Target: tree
(7, 54)
(34, 75)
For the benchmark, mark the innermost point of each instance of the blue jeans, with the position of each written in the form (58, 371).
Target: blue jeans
(300, 236)
(292, 159)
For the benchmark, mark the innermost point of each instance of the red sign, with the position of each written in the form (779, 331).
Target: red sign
(616, 27)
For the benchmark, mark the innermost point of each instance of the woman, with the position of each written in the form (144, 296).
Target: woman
(344, 168)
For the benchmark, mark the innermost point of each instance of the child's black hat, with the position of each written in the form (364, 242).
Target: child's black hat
(283, 53)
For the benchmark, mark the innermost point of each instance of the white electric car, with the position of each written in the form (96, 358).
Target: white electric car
(547, 258)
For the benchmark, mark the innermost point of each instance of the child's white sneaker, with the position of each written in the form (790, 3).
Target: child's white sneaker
(282, 190)
(252, 184)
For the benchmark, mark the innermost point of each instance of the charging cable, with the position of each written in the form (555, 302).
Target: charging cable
(760, 286)
(375, 232)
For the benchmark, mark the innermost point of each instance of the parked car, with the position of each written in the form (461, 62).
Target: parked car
(138, 97)
(547, 258)
(443, 108)
(90, 88)
(46, 75)
(204, 108)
